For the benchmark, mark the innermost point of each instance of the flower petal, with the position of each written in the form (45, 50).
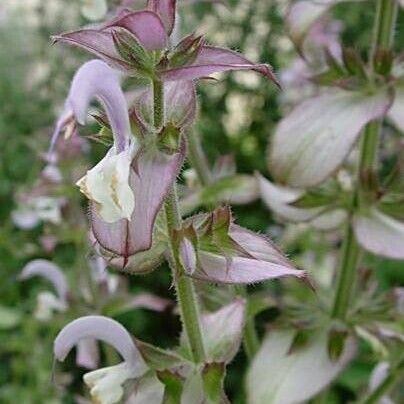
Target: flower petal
(228, 253)
(47, 305)
(151, 178)
(240, 270)
(99, 328)
(87, 355)
(223, 330)
(329, 220)
(187, 256)
(150, 302)
(49, 271)
(279, 376)
(313, 140)
(278, 198)
(380, 234)
(302, 15)
(213, 60)
(107, 184)
(107, 384)
(95, 79)
(166, 10)
(146, 26)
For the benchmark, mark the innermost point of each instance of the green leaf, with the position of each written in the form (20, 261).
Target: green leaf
(173, 386)
(336, 343)
(213, 375)
(353, 62)
(169, 139)
(158, 358)
(133, 52)
(316, 197)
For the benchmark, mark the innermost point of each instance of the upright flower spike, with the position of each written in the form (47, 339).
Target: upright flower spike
(228, 253)
(106, 384)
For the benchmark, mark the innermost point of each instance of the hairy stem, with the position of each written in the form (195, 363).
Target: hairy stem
(251, 341)
(199, 162)
(187, 299)
(198, 158)
(186, 295)
(386, 13)
(158, 103)
(346, 274)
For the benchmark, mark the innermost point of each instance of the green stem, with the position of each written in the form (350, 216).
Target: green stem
(386, 12)
(186, 295)
(199, 162)
(198, 159)
(383, 34)
(346, 274)
(368, 156)
(251, 341)
(187, 299)
(158, 103)
(384, 388)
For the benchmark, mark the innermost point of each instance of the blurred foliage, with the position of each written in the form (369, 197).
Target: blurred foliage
(237, 115)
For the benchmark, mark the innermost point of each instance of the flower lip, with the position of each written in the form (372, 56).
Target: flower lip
(49, 271)
(95, 79)
(100, 328)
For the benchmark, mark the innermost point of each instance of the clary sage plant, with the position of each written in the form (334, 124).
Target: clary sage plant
(134, 210)
(323, 158)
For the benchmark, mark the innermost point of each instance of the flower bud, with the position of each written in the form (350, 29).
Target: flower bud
(186, 51)
(187, 256)
(132, 51)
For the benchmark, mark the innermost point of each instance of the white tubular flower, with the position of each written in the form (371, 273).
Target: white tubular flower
(47, 304)
(106, 384)
(107, 184)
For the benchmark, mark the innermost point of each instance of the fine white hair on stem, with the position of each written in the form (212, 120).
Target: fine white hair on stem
(49, 271)
(96, 327)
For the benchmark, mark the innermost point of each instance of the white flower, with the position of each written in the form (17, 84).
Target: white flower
(107, 184)
(106, 383)
(47, 304)
(40, 208)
